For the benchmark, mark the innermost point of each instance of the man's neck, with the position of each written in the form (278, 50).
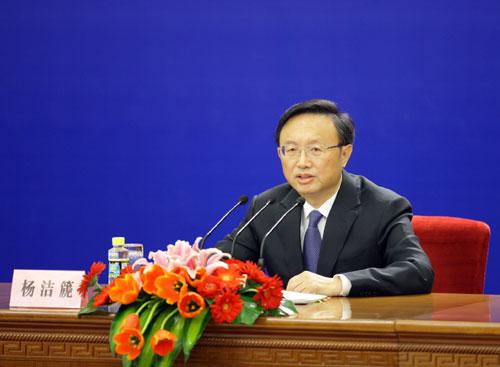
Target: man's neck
(317, 202)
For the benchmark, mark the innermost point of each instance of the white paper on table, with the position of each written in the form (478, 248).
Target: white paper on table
(299, 298)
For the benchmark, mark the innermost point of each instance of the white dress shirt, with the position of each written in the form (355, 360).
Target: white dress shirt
(304, 222)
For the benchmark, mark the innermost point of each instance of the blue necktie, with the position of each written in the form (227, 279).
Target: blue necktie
(312, 242)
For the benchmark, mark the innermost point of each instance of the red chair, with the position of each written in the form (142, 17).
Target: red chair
(458, 249)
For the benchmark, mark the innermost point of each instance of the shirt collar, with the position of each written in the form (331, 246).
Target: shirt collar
(324, 209)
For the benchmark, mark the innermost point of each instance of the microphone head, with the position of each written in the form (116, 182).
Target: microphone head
(243, 199)
(271, 200)
(300, 200)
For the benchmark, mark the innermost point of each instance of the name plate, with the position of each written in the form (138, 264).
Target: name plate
(46, 288)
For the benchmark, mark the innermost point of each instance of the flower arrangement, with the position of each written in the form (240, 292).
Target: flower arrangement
(166, 304)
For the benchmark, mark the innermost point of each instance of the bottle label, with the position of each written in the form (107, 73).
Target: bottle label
(114, 270)
(134, 256)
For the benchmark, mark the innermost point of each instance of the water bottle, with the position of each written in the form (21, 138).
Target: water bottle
(117, 258)
(135, 251)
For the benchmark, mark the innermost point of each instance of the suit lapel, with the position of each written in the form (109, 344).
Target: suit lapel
(338, 224)
(289, 234)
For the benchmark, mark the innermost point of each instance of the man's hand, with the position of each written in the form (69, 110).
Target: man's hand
(308, 282)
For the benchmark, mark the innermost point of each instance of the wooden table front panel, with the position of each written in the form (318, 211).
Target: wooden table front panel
(428, 330)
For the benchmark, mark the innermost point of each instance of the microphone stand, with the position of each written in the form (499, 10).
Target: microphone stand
(299, 201)
(268, 202)
(242, 200)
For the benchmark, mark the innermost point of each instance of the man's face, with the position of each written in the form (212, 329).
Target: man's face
(315, 177)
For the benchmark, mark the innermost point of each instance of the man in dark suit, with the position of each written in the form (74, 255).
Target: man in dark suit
(351, 237)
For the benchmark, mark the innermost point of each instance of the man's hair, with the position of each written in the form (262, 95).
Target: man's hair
(342, 121)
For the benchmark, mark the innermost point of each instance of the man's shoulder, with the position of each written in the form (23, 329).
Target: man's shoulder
(370, 190)
(276, 193)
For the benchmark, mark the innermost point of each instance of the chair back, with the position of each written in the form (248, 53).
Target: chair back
(458, 250)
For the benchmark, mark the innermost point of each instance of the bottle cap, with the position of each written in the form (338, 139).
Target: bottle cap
(118, 241)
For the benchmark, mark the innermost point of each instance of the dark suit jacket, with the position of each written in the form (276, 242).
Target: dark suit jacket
(368, 237)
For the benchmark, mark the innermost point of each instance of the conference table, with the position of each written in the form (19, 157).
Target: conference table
(417, 330)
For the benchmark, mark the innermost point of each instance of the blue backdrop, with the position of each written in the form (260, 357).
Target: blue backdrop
(149, 119)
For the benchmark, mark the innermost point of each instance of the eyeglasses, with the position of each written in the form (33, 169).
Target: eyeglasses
(291, 151)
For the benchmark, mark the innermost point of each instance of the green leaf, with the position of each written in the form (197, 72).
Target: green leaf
(275, 313)
(250, 287)
(147, 355)
(288, 304)
(93, 281)
(194, 329)
(122, 313)
(250, 312)
(88, 309)
(252, 284)
(126, 362)
(148, 314)
(177, 328)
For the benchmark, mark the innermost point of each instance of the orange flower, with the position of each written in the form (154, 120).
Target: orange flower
(102, 298)
(254, 272)
(95, 270)
(191, 305)
(226, 307)
(270, 293)
(209, 287)
(124, 289)
(127, 270)
(149, 277)
(129, 341)
(235, 264)
(163, 342)
(231, 278)
(170, 287)
(200, 274)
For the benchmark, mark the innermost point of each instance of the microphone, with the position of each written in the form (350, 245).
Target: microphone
(242, 200)
(268, 202)
(299, 201)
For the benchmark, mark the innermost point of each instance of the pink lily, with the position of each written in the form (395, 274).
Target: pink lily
(190, 258)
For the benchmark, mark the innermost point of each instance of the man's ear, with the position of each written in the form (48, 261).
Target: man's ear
(345, 154)
(280, 154)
